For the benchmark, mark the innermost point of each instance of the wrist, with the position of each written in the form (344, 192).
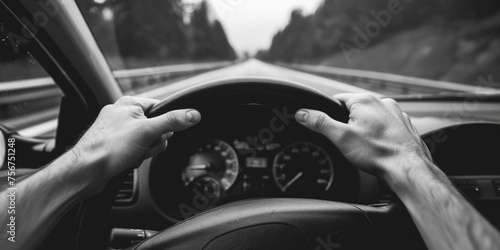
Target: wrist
(83, 170)
(402, 175)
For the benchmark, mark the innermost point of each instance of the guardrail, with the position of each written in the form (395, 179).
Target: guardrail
(385, 83)
(134, 81)
(28, 102)
(38, 99)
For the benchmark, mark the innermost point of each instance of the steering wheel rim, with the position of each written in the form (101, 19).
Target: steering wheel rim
(270, 223)
(286, 217)
(239, 90)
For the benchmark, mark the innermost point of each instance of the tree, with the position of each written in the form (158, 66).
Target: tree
(150, 28)
(209, 38)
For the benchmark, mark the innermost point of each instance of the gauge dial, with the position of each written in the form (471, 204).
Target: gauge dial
(303, 166)
(216, 159)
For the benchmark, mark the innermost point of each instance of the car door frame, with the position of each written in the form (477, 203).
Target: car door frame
(64, 46)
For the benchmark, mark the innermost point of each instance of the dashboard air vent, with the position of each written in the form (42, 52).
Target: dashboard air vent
(127, 190)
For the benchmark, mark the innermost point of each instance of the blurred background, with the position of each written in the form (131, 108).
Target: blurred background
(435, 39)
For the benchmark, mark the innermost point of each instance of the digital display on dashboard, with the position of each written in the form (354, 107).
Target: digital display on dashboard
(256, 162)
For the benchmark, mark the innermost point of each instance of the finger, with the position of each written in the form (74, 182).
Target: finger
(156, 150)
(144, 103)
(137, 164)
(426, 149)
(175, 120)
(159, 145)
(169, 134)
(350, 99)
(321, 123)
(344, 97)
(161, 140)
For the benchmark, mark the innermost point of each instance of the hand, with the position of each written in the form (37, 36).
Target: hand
(123, 136)
(379, 138)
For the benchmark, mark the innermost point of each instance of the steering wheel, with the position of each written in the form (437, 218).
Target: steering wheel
(279, 223)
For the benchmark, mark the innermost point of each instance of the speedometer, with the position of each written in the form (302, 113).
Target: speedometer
(303, 166)
(217, 160)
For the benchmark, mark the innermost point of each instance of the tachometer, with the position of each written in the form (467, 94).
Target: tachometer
(216, 160)
(303, 166)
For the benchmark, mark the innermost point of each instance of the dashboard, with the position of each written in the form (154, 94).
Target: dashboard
(242, 153)
(259, 151)
(248, 151)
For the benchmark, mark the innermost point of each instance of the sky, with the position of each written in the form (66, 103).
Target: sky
(251, 24)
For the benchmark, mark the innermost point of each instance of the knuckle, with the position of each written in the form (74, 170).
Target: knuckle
(109, 106)
(125, 100)
(366, 98)
(391, 104)
(106, 109)
(136, 109)
(390, 101)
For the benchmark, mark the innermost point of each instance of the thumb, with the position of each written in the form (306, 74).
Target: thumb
(175, 120)
(320, 122)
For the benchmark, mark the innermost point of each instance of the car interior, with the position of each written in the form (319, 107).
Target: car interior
(248, 175)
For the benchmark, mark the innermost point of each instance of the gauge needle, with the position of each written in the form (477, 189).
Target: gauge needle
(292, 181)
(198, 167)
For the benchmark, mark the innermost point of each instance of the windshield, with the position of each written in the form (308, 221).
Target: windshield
(390, 47)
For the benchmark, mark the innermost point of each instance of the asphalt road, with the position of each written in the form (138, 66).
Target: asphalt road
(257, 68)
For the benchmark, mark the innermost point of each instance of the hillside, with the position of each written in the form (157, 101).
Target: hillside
(457, 44)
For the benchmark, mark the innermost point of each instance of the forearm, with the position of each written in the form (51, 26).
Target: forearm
(442, 215)
(43, 198)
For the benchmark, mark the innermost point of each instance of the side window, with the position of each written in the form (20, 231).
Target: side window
(29, 99)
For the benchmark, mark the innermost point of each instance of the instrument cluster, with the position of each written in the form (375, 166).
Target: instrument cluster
(236, 156)
(300, 167)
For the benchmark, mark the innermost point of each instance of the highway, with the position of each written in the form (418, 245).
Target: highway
(258, 68)
(45, 121)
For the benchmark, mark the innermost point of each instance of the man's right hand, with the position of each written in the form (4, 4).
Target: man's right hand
(379, 138)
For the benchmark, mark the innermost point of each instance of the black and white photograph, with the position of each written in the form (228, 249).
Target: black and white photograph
(249, 124)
